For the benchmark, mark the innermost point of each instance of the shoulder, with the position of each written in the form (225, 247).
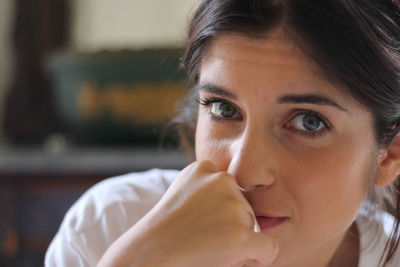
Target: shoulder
(140, 188)
(375, 229)
(106, 211)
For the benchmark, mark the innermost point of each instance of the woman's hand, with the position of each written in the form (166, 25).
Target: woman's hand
(202, 220)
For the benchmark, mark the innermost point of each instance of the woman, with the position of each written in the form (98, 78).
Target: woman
(296, 143)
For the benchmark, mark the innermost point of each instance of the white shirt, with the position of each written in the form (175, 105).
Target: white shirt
(110, 208)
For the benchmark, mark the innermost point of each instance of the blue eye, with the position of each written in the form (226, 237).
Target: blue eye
(220, 109)
(308, 124)
(223, 109)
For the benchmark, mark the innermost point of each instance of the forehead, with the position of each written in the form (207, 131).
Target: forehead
(236, 60)
(275, 49)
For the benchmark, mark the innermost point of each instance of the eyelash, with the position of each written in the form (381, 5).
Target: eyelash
(208, 101)
(308, 134)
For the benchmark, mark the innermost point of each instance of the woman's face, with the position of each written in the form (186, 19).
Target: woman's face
(300, 148)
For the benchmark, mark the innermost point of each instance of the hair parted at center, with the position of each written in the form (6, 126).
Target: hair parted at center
(355, 43)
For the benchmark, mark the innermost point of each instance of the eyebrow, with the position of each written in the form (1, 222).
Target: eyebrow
(310, 99)
(286, 99)
(208, 88)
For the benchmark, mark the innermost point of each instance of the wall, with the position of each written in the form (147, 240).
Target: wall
(118, 24)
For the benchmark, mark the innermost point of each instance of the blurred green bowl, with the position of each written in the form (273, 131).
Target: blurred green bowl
(124, 97)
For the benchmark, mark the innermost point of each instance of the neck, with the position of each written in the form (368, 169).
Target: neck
(347, 254)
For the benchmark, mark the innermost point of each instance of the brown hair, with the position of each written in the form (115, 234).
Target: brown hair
(354, 42)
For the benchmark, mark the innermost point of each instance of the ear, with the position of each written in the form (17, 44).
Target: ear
(389, 167)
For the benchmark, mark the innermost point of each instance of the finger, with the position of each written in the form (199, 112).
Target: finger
(262, 249)
(252, 220)
(199, 167)
(206, 166)
(194, 171)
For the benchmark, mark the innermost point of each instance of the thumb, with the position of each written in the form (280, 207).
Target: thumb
(261, 249)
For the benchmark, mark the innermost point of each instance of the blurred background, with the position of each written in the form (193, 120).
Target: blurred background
(87, 88)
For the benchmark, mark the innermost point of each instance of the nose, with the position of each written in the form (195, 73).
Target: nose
(252, 160)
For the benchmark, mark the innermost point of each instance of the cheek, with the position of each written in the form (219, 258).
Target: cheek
(330, 186)
(201, 138)
(210, 147)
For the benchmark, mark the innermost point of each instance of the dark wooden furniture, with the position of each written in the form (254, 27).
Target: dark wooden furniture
(38, 187)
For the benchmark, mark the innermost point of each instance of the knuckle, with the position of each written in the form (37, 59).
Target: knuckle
(237, 231)
(197, 169)
(233, 204)
(224, 180)
(205, 165)
(234, 211)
